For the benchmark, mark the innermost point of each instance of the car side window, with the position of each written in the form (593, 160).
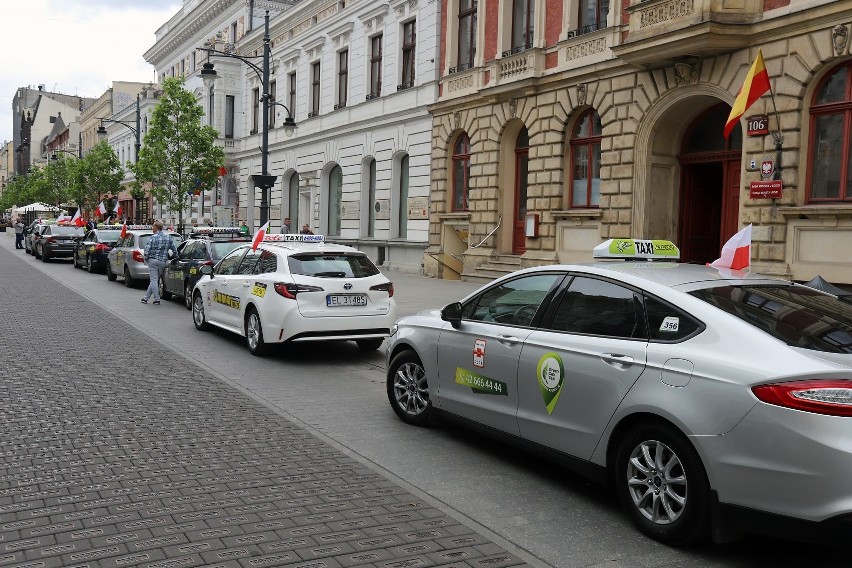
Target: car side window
(667, 323)
(513, 303)
(229, 264)
(199, 251)
(597, 307)
(249, 262)
(184, 250)
(268, 263)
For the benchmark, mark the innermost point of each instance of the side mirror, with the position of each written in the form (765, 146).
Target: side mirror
(453, 314)
(207, 269)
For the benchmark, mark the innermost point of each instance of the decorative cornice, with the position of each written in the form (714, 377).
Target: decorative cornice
(185, 27)
(340, 34)
(313, 48)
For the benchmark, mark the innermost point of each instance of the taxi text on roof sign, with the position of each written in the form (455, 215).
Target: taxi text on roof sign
(215, 230)
(293, 238)
(637, 249)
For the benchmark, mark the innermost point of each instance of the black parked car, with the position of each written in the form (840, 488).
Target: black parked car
(203, 247)
(91, 251)
(57, 241)
(31, 234)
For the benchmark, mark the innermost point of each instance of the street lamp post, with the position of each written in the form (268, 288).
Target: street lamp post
(263, 180)
(137, 131)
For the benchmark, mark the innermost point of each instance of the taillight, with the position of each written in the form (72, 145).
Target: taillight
(100, 247)
(51, 240)
(830, 396)
(137, 256)
(207, 263)
(291, 290)
(387, 287)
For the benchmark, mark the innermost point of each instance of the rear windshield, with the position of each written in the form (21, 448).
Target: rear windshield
(144, 239)
(332, 265)
(221, 248)
(109, 236)
(797, 315)
(66, 231)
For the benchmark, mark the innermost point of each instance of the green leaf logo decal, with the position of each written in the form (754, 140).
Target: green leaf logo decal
(551, 376)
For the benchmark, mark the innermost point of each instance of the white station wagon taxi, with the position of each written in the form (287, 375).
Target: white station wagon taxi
(295, 288)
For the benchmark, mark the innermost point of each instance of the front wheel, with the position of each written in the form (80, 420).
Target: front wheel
(164, 294)
(408, 389)
(661, 482)
(198, 316)
(254, 334)
(110, 274)
(368, 344)
(74, 259)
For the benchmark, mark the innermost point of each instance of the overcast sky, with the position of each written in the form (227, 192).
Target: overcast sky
(75, 47)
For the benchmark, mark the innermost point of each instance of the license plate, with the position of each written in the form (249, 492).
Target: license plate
(334, 300)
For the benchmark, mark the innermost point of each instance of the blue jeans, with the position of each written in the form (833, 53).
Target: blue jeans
(155, 267)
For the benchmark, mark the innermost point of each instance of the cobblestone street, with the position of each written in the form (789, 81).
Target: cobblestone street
(109, 457)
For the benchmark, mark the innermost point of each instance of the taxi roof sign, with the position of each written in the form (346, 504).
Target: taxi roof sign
(214, 230)
(637, 249)
(293, 238)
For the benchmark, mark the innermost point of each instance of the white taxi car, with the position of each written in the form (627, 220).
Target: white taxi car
(296, 288)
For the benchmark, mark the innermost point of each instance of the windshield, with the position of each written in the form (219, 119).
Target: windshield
(66, 231)
(332, 265)
(797, 315)
(220, 249)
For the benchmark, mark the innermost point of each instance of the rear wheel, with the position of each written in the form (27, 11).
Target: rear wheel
(254, 333)
(90, 267)
(36, 253)
(187, 295)
(44, 255)
(74, 260)
(128, 280)
(408, 389)
(368, 344)
(661, 482)
(110, 274)
(198, 316)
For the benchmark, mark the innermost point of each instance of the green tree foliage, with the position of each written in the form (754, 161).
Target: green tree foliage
(98, 175)
(179, 155)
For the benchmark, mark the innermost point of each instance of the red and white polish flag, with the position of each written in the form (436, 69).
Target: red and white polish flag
(117, 210)
(736, 253)
(76, 219)
(101, 209)
(258, 236)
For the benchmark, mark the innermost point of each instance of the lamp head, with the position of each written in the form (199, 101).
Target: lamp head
(289, 126)
(208, 74)
(102, 133)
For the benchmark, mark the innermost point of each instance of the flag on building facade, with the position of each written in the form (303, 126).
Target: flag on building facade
(756, 83)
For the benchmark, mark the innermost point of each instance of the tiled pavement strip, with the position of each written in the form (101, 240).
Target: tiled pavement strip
(174, 468)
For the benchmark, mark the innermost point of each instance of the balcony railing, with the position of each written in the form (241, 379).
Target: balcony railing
(460, 67)
(406, 85)
(339, 106)
(587, 29)
(517, 49)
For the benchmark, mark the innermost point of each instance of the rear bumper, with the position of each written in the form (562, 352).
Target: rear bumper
(834, 530)
(52, 250)
(297, 328)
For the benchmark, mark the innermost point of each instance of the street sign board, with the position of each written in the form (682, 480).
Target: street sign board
(757, 125)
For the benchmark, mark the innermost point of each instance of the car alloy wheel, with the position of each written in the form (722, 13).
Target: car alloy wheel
(663, 485)
(89, 266)
(187, 296)
(408, 389)
(128, 280)
(198, 317)
(254, 333)
(110, 274)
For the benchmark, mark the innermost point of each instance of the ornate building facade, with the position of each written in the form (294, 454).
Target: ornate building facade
(562, 123)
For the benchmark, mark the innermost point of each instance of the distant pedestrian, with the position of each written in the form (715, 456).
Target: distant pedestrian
(209, 222)
(156, 254)
(244, 230)
(19, 234)
(306, 230)
(286, 227)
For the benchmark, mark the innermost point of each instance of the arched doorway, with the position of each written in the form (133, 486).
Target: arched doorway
(522, 160)
(710, 186)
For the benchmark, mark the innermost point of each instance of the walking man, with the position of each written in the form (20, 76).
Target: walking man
(19, 234)
(286, 227)
(156, 254)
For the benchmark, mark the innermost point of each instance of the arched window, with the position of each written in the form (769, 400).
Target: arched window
(293, 203)
(831, 138)
(585, 156)
(402, 202)
(461, 173)
(335, 198)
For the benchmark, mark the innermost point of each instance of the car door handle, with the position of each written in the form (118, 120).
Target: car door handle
(508, 339)
(620, 361)
(246, 285)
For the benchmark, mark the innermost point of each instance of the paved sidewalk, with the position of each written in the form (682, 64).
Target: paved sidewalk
(165, 465)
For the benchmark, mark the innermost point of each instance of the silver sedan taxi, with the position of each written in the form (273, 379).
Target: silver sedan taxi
(716, 401)
(296, 288)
